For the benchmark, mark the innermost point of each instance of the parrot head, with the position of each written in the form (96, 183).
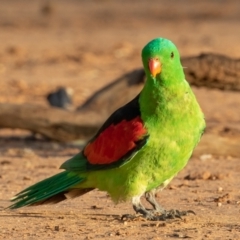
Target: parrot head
(161, 60)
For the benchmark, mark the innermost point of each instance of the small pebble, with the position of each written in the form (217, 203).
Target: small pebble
(56, 228)
(205, 157)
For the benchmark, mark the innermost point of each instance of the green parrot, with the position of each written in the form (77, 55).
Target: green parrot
(141, 146)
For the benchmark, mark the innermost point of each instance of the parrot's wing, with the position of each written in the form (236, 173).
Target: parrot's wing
(116, 142)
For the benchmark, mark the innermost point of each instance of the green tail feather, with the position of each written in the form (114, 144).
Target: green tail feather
(45, 189)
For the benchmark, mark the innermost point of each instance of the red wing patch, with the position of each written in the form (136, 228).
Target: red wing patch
(115, 141)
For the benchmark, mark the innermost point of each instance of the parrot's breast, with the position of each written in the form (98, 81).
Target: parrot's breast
(174, 130)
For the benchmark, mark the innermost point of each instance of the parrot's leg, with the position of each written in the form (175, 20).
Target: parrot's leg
(138, 208)
(164, 214)
(153, 215)
(151, 198)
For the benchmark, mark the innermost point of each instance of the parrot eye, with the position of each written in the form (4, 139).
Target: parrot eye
(172, 55)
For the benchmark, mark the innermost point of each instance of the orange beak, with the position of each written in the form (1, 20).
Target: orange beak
(154, 66)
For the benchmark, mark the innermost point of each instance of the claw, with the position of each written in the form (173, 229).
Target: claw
(190, 211)
(171, 214)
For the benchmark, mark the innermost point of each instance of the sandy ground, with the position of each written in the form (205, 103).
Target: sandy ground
(84, 45)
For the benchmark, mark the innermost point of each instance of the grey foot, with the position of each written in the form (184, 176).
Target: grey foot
(141, 211)
(156, 214)
(172, 214)
(148, 215)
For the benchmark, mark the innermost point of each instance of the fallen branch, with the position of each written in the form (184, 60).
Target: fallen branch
(61, 125)
(51, 122)
(213, 71)
(67, 126)
(205, 70)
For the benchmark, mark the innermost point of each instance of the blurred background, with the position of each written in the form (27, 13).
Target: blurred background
(86, 44)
